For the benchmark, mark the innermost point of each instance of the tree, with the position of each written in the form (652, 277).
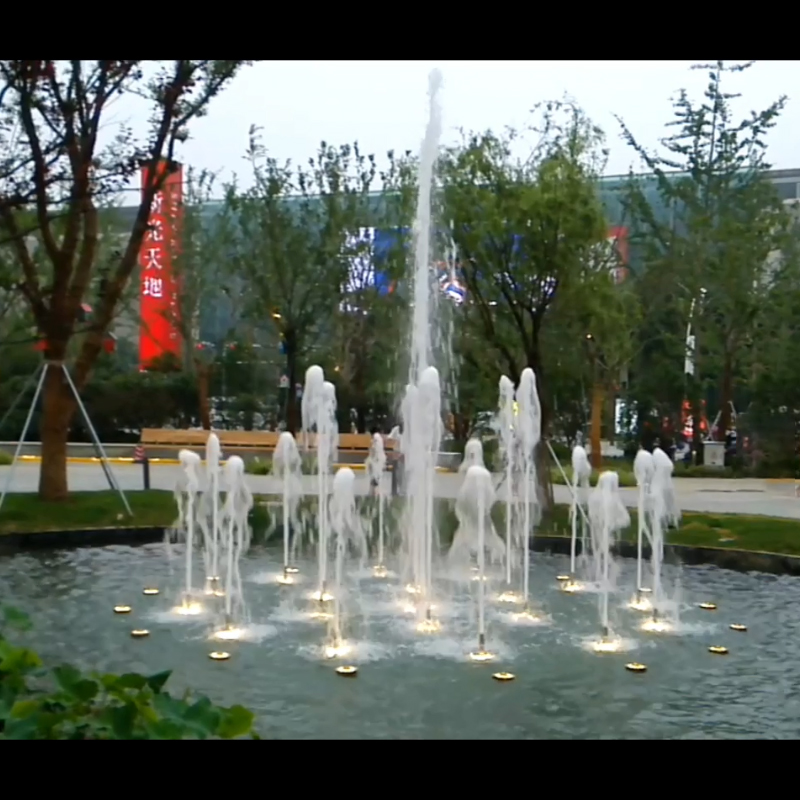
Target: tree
(290, 240)
(523, 231)
(720, 229)
(57, 171)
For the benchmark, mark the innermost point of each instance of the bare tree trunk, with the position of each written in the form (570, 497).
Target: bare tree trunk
(58, 406)
(598, 396)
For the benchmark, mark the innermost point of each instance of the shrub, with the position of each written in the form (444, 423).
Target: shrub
(68, 704)
(5, 458)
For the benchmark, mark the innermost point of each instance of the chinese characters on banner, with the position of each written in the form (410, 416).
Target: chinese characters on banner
(158, 288)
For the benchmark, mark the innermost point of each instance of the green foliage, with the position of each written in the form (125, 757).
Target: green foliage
(64, 703)
(5, 458)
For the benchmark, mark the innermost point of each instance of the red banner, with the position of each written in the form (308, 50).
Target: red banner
(158, 291)
(618, 239)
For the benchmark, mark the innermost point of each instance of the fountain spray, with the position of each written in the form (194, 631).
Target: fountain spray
(581, 472)
(608, 515)
(643, 468)
(529, 426)
(236, 539)
(287, 466)
(213, 453)
(190, 462)
(420, 408)
(662, 512)
(505, 425)
(347, 529)
(376, 466)
(475, 536)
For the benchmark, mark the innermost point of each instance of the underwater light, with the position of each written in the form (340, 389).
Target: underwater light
(562, 578)
(285, 580)
(527, 615)
(219, 655)
(122, 609)
(503, 676)
(189, 609)
(337, 650)
(291, 570)
(412, 589)
(738, 627)
(640, 604)
(228, 634)
(607, 646)
(571, 586)
(379, 571)
(707, 606)
(323, 615)
(347, 672)
(718, 649)
(635, 666)
(481, 656)
(150, 590)
(509, 597)
(321, 596)
(139, 633)
(429, 625)
(656, 626)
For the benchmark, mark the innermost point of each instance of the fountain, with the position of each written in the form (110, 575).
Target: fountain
(529, 428)
(505, 432)
(287, 466)
(421, 406)
(581, 473)
(662, 512)
(234, 543)
(473, 455)
(475, 536)
(347, 530)
(319, 412)
(643, 468)
(608, 516)
(213, 453)
(376, 467)
(186, 495)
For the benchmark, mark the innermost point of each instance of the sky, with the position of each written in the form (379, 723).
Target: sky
(383, 105)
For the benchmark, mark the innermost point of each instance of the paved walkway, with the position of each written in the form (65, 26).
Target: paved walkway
(715, 495)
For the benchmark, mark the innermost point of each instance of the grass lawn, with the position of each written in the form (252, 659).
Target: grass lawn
(24, 513)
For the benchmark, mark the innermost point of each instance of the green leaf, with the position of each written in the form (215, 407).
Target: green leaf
(122, 719)
(236, 721)
(164, 729)
(24, 708)
(15, 618)
(156, 682)
(131, 680)
(18, 659)
(203, 718)
(66, 677)
(17, 729)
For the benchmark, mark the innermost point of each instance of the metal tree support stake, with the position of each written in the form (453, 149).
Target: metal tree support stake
(112, 481)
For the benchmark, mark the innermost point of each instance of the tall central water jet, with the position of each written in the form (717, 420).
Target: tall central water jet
(213, 453)
(190, 462)
(581, 473)
(421, 406)
(529, 428)
(507, 436)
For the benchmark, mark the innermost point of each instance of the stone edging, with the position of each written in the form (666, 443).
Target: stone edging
(738, 560)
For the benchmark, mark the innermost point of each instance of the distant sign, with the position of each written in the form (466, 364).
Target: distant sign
(283, 383)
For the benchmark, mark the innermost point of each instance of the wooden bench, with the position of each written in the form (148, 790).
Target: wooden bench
(253, 441)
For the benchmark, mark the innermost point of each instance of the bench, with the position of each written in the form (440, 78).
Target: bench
(252, 441)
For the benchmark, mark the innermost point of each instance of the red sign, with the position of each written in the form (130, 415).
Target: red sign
(618, 239)
(158, 289)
